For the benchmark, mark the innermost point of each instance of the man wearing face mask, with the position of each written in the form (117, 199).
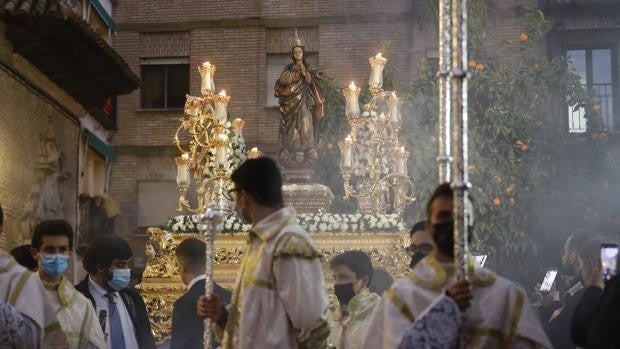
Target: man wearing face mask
(279, 301)
(52, 243)
(120, 309)
(352, 275)
(431, 308)
(420, 243)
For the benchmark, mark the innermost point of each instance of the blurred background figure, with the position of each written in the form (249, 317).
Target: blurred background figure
(420, 243)
(381, 281)
(23, 256)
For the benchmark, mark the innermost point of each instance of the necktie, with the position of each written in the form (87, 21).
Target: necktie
(116, 327)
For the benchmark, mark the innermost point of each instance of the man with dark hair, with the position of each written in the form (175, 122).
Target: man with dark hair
(190, 256)
(431, 308)
(25, 315)
(279, 300)
(23, 256)
(52, 245)
(353, 272)
(420, 243)
(121, 310)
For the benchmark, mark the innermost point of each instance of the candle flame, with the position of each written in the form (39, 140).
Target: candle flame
(348, 139)
(222, 93)
(185, 156)
(254, 150)
(352, 85)
(206, 64)
(378, 56)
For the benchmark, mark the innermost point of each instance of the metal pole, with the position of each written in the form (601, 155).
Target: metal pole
(209, 234)
(444, 159)
(459, 135)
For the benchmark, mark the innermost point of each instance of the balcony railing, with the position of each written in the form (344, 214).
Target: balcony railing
(605, 101)
(546, 3)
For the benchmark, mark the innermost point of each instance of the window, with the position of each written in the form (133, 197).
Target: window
(275, 65)
(165, 83)
(594, 66)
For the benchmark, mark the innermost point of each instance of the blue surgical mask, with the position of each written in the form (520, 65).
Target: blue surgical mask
(120, 279)
(54, 264)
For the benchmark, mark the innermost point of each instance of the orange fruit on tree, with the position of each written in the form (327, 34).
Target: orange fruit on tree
(471, 64)
(524, 37)
(497, 201)
(479, 67)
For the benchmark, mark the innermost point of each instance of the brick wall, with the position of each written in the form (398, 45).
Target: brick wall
(25, 115)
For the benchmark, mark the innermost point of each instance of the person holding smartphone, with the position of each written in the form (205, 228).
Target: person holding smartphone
(588, 268)
(595, 323)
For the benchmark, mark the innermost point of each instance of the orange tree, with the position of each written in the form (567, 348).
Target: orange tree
(521, 154)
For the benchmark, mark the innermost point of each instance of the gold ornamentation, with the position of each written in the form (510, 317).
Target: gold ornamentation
(161, 285)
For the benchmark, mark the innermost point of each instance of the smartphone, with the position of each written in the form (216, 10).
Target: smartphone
(549, 280)
(609, 260)
(481, 259)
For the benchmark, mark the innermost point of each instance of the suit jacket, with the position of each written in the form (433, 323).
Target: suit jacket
(137, 311)
(187, 327)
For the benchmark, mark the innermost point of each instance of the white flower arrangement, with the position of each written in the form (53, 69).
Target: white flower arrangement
(313, 223)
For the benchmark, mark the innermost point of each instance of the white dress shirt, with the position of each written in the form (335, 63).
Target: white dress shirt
(195, 280)
(101, 302)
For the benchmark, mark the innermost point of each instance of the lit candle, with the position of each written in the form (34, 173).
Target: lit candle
(207, 70)
(221, 102)
(238, 125)
(351, 94)
(376, 74)
(183, 177)
(346, 150)
(221, 154)
(254, 153)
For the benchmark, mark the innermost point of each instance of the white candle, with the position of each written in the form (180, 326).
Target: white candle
(377, 63)
(221, 155)
(207, 70)
(346, 151)
(400, 166)
(351, 94)
(394, 109)
(238, 125)
(221, 102)
(183, 170)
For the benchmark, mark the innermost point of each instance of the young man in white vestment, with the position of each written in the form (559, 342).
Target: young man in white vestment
(279, 300)
(424, 310)
(21, 291)
(52, 243)
(353, 273)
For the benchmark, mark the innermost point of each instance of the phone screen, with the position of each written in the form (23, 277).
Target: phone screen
(549, 280)
(481, 259)
(609, 260)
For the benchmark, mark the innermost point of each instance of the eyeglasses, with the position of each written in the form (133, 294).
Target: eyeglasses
(422, 248)
(232, 194)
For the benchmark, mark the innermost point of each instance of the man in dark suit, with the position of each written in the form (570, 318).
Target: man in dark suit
(187, 327)
(122, 312)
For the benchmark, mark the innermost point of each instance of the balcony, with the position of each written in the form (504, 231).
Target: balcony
(604, 104)
(595, 5)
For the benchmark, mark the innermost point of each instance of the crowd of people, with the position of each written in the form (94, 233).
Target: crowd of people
(280, 298)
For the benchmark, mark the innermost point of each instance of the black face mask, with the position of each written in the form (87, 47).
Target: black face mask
(443, 234)
(344, 293)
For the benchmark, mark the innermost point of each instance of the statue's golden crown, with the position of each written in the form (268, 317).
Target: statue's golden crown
(295, 40)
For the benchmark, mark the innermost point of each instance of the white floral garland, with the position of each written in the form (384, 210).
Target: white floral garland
(313, 222)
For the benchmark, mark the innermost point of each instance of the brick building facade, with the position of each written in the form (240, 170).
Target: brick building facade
(248, 42)
(56, 118)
